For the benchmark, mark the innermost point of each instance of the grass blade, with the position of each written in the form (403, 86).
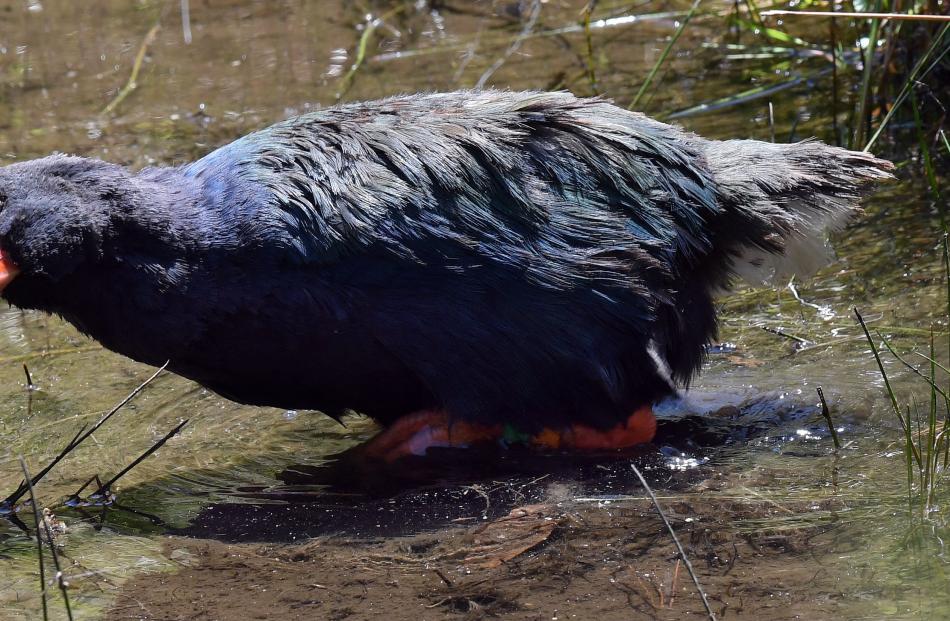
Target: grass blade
(39, 539)
(893, 16)
(60, 580)
(917, 73)
(746, 96)
(827, 414)
(666, 52)
(905, 424)
(862, 119)
(925, 151)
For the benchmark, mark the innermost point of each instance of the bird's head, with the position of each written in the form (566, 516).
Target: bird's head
(54, 213)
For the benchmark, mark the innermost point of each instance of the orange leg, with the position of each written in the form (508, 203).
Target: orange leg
(416, 433)
(639, 429)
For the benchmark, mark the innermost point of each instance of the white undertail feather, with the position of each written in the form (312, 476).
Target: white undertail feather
(794, 194)
(807, 250)
(662, 366)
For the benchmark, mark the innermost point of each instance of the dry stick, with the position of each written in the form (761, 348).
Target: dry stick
(897, 16)
(132, 84)
(827, 414)
(10, 500)
(75, 498)
(39, 540)
(779, 332)
(29, 378)
(60, 581)
(104, 488)
(679, 546)
(674, 581)
(80, 437)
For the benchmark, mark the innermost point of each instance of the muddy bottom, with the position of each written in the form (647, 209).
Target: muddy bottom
(464, 535)
(549, 560)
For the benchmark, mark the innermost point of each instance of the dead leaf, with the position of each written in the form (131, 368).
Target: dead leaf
(505, 538)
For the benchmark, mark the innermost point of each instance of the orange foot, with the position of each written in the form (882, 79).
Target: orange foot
(416, 433)
(639, 429)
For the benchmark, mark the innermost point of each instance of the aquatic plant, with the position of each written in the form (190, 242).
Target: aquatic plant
(880, 55)
(925, 442)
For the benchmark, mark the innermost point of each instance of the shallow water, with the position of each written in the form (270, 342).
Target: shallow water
(254, 474)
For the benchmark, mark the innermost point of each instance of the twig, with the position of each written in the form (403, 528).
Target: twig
(60, 581)
(442, 577)
(779, 332)
(105, 487)
(746, 96)
(679, 546)
(39, 539)
(75, 499)
(79, 438)
(29, 378)
(833, 14)
(132, 84)
(827, 414)
(515, 45)
(674, 582)
(10, 500)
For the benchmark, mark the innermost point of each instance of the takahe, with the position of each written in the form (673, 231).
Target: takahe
(466, 266)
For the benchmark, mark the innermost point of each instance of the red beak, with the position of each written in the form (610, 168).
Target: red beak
(8, 270)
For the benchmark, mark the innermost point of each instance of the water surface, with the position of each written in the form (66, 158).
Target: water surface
(252, 63)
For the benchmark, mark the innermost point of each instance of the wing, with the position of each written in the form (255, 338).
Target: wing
(598, 211)
(570, 192)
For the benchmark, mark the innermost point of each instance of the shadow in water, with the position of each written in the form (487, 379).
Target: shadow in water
(353, 497)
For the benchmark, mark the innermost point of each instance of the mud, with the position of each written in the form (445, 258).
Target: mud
(558, 561)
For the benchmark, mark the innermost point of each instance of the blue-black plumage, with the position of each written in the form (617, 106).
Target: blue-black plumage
(519, 257)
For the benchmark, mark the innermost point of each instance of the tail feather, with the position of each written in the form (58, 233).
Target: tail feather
(789, 196)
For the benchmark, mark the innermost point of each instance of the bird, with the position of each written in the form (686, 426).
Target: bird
(478, 266)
